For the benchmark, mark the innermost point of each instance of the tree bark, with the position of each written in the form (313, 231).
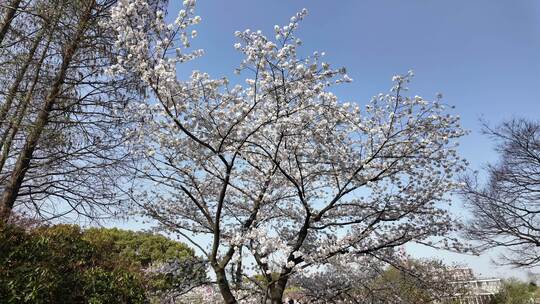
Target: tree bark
(18, 79)
(8, 17)
(224, 287)
(22, 164)
(238, 271)
(13, 127)
(277, 289)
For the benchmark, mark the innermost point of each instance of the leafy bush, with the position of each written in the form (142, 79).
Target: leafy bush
(515, 292)
(64, 264)
(167, 264)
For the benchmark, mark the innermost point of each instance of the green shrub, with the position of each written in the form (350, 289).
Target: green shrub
(43, 265)
(64, 264)
(142, 250)
(515, 292)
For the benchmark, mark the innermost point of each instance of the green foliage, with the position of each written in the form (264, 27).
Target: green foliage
(515, 292)
(418, 281)
(64, 264)
(117, 286)
(396, 282)
(44, 265)
(140, 250)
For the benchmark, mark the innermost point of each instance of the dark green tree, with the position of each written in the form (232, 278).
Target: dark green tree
(64, 264)
(168, 265)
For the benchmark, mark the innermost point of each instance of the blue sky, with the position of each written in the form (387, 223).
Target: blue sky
(482, 55)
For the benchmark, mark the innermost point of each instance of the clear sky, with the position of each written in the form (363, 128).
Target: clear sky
(482, 55)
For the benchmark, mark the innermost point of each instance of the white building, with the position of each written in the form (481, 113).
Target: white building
(480, 290)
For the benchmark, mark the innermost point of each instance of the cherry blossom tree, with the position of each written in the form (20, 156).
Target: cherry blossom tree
(278, 166)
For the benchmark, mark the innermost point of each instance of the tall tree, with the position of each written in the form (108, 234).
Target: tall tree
(506, 209)
(279, 167)
(60, 130)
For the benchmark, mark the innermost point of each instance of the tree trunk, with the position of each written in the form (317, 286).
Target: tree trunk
(14, 124)
(11, 130)
(277, 289)
(18, 79)
(238, 271)
(224, 287)
(8, 17)
(22, 164)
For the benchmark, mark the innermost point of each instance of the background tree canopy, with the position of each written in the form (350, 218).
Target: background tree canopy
(65, 264)
(516, 292)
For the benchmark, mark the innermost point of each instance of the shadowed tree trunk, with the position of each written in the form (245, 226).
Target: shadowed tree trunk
(8, 17)
(223, 285)
(277, 289)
